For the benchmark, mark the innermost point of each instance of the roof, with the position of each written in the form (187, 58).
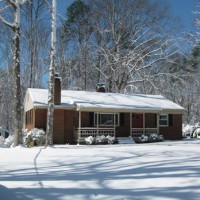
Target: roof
(105, 102)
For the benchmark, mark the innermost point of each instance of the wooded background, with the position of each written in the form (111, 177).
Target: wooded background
(133, 46)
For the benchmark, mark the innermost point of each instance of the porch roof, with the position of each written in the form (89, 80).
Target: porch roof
(106, 102)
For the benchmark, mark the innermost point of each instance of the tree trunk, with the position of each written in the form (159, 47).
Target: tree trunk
(50, 112)
(16, 76)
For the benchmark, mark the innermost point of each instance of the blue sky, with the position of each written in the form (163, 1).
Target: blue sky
(183, 9)
(180, 8)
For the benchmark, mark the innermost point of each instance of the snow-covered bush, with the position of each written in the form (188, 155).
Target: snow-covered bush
(156, 138)
(100, 139)
(150, 138)
(111, 140)
(153, 138)
(192, 131)
(89, 140)
(196, 133)
(9, 141)
(161, 138)
(144, 138)
(187, 130)
(35, 137)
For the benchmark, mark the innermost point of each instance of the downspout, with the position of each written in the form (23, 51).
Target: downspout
(114, 126)
(144, 123)
(130, 124)
(97, 123)
(79, 124)
(158, 116)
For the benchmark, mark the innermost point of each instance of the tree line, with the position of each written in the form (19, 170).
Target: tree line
(133, 46)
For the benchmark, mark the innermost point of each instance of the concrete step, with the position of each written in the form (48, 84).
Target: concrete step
(125, 140)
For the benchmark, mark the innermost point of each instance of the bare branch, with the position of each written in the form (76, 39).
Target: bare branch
(11, 25)
(12, 3)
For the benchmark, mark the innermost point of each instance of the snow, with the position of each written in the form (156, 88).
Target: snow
(97, 101)
(167, 170)
(191, 130)
(100, 139)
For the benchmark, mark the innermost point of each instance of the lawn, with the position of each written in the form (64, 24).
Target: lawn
(167, 170)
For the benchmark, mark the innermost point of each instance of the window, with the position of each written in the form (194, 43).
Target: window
(163, 121)
(107, 119)
(29, 117)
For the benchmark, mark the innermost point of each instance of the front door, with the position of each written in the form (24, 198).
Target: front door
(137, 120)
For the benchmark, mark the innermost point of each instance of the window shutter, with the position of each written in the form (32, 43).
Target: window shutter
(170, 119)
(121, 119)
(155, 120)
(91, 119)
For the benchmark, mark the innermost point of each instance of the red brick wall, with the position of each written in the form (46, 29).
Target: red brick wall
(41, 118)
(57, 91)
(150, 120)
(69, 126)
(67, 120)
(85, 119)
(75, 119)
(173, 131)
(63, 124)
(58, 126)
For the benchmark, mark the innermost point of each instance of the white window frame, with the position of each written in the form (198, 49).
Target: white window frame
(116, 119)
(167, 120)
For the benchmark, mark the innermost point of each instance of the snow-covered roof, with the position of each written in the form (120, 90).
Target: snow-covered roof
(106, 102)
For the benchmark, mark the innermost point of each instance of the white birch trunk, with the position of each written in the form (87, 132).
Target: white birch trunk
(50, 112)
(16, 75)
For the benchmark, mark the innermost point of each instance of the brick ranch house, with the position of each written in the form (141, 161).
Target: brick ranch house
(79, 114)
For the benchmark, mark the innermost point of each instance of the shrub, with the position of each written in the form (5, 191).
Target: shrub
(9, 141)
(35, 137)
(89, 140)
(100, 139)
(111, 140)
(150, 138)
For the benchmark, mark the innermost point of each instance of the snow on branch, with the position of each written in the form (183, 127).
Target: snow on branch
(12, 3)
(11, 25)
(4, 8)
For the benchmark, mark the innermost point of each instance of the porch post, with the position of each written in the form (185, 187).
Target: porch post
(114, 126)
(79, 124)
(144, 123)
(158, 117)
(130, 124)
(97, 123)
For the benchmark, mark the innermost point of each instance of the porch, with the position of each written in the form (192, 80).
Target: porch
(134, 124)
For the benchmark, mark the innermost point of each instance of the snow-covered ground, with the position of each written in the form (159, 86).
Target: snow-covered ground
(167, 170)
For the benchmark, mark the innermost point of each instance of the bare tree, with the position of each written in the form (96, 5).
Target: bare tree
(135, 39)
(78, 28)
(15, 26)
(35, 34)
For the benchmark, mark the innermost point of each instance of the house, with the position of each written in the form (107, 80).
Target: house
(79, 114)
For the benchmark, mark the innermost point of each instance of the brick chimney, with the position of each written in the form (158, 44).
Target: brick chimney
(57, 89)
(100, 87)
